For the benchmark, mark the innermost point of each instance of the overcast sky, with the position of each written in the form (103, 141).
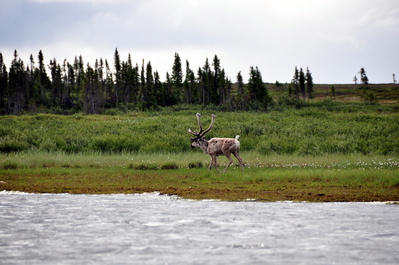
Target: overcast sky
(334, 38)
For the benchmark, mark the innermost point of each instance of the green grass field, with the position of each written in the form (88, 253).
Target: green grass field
(265, 178)
(324, 151)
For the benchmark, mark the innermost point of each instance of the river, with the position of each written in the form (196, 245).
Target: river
(158, 229)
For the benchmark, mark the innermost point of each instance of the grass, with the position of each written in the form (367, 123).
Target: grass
(323, 128)
(324, 151)
(265, 178)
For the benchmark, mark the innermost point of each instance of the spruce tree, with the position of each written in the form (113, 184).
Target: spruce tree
(257, 90)
(309, 84)
(222, 88)
(187, 85)
(3, 85)
(206, 82)
(177, 78)
(192, 87)
(241, 102)
(134, 84)
(167, 95)
(44, 82)
(143, 89)
(200, 87)
(302, 84)
(109, 86)
(295, 83)
(157, 89)
(33, 88)
(363, 77)
(70, 84)
(56, 81)
(149, 86)
(18, 86)
(118, 67)
(215, 89)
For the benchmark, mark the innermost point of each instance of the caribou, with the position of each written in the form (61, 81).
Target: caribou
(216, 146)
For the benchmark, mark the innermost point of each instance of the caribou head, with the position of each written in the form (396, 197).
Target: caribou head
(199, 138)
(215, 146)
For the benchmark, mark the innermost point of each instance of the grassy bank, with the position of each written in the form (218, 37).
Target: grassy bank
(323, 151)
(265, 178)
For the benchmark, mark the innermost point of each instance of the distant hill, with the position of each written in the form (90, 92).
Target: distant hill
(347, 93)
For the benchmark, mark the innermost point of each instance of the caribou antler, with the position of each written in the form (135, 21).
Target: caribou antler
(195, 133)
(210, 126)
(201, 132)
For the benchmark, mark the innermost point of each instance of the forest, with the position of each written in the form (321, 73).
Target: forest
(68, 88)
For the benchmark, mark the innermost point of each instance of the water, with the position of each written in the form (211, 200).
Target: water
(155, 229)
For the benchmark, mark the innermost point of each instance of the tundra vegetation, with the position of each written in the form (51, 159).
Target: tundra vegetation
(125, 131)
(323, 151)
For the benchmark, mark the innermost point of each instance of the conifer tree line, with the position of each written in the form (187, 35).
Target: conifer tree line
(66, 88)
(302, 85)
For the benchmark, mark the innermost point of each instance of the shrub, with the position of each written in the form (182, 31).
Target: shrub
(143, 166)
(10, 146)
(195, 165)
(170, 165)
(113, 112)
(10, 165)
(114, 144)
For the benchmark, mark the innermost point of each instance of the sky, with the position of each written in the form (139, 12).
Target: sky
(333, 38)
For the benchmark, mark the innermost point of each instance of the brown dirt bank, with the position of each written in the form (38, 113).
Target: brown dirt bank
(324, 194)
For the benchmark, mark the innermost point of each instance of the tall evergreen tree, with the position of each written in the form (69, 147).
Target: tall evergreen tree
(189, 84)
(206, 79)
(56, 81)
(33, 85)
(99, 68)
(215, 89)
(257, 89)
(143, 90)
(134, 84)
(89, 98)
(200, 87)
(255, 85)
(149, 86)
(109, 86)
(302, 84)
(44, 82)
(17, 93)
(363, 77)
(309, 84)
(241, 97)
(229, 89)
(69, 98)
(295, 83)
(72, 84)
(177, 77)
(118, 78)
(157, 89)
(3, 86)
(223, 92)
(168, 98)
(92, 91)
(225, 88)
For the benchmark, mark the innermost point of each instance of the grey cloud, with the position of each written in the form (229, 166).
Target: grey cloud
(332, 37)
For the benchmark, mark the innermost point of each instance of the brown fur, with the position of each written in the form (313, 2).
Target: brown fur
(216, 146)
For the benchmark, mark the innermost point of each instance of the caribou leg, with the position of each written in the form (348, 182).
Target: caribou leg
(214, 163)
(210, 164)
(230, 161)
(237, 155)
